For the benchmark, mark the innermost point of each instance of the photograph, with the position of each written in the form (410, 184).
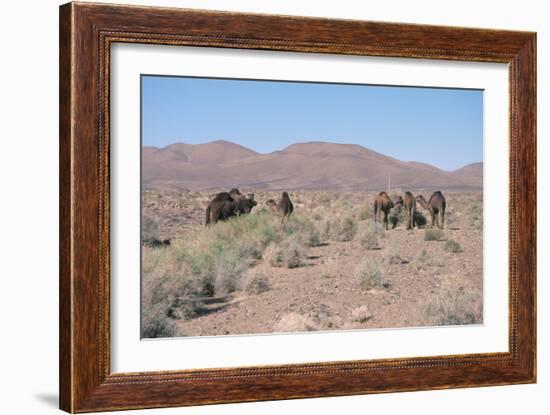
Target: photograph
(273, 206)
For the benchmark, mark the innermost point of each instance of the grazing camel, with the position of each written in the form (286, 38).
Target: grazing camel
(222, 207)
(244, 204)
(382, 203)
(284, 207)
(409, 203)
(436, 205)
(228, 204)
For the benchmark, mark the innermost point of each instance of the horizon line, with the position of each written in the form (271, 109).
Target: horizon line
(310, 142)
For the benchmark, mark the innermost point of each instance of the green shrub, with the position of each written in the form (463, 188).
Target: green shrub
(290, 253)
(419, 219)
(304, 228)
(452, 308)
(433, 234)
(398, 215)
(368, 274)
(344, 229)
(368, 235)
(229, 268)
(365, 211)
(452, 246)
(257, 284)
(293, 253)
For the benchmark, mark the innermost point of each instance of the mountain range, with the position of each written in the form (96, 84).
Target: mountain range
(303, 166)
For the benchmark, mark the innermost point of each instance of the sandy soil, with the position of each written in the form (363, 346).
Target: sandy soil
(418, 289)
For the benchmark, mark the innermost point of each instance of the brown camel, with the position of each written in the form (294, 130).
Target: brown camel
(436, 205)
(409, 203)
(284, 207)
(222, 207)
(244, 204)
(382, 203)
(229, 204)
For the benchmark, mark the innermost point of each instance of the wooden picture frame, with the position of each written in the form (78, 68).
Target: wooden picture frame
(86, 33)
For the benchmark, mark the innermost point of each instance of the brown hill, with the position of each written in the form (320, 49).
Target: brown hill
(302, 166)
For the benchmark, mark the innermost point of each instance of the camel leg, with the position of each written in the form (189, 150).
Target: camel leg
(386, 220)
(442, 213)
(433, 218)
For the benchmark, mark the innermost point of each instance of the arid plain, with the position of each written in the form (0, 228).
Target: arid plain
(329, 267)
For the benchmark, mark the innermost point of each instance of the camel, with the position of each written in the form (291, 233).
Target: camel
(244, 204)
(409, 203)
(382, 203)
(229, 204)
(436, 205)
(221, 207)
(284, 207)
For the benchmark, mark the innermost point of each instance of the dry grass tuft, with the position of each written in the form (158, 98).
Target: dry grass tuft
(368, 274)
(293, 322)
(454, 308)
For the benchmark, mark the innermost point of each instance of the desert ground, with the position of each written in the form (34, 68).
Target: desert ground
(330, 267)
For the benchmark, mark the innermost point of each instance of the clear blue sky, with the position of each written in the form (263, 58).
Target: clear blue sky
(443, 127)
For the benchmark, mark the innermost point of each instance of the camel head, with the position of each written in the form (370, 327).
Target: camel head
(397, 201)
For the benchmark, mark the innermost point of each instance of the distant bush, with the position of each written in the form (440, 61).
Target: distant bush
(293, 253)
(419, 219)
(368, 235)
(368, 274)
(365, 211)
(290, 253)
(257, 284)
(452, 246)
(400, 216)
(304, 228)
(344, 229)
(433, 234)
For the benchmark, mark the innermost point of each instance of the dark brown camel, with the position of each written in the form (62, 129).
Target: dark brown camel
(284, 207)
(436, 206)
(382, 203)
(409, 203)
(244, 204)
(222, 207)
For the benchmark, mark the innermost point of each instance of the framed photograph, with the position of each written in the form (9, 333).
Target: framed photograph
(259, 207)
